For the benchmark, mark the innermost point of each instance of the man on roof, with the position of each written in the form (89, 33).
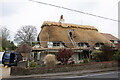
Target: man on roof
(70, 33)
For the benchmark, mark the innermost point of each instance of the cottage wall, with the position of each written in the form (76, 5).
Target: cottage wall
(75, 56)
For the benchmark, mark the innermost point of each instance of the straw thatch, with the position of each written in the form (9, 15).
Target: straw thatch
(58, 32)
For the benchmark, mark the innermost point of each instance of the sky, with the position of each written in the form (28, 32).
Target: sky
(17, 13)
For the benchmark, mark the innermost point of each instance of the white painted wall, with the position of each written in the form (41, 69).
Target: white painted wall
(75, 56)
(38, 55)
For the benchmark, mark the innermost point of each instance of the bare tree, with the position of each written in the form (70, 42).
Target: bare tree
(5, 33)
(25, 34)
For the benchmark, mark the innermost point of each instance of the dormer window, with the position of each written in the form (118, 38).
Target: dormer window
(99, 44)
(83, 44)
(56, 43)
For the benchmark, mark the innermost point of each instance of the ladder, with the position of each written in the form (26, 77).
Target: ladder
(72, 40)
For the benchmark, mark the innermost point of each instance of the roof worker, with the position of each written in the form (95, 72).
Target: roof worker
(70, 33)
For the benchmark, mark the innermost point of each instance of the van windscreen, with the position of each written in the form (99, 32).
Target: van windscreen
(7, 56)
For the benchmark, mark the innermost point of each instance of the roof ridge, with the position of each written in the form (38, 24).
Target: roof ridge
(65, 23)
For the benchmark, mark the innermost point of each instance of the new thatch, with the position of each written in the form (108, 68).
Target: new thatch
(82, 33)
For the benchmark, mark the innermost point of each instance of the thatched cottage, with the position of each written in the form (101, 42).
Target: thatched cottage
(55, 35)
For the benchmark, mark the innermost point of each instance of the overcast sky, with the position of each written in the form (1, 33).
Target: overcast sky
(17, 13)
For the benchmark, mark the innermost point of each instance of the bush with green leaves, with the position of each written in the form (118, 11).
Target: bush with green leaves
(33, 64)
(43, 65)
(85, 60)
(116, 56)
(105, 54)
(95, 55)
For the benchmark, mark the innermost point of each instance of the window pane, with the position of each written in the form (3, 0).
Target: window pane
(97, 45)
(56, 44)
(81, 44)
(115, 42)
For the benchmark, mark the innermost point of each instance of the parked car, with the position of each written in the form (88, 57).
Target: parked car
(11, 58)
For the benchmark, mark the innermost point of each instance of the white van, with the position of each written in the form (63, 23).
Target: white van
(1, 55)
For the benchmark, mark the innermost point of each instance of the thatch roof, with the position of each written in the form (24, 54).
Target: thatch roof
(58, 32)
(23, 48)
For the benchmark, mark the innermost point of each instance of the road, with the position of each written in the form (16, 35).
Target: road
(93, 76)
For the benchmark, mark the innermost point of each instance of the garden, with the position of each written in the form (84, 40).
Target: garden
(64, 57)
(100, 59)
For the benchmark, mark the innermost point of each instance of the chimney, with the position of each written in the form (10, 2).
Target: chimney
(61, 19)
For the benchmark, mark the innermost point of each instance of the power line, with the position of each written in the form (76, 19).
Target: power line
(75, 11)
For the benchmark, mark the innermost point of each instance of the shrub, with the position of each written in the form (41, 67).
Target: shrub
(43, 65)
(95, 55)
(64, 55)
(50, 60)
(33, 64)
(107, 53)
(104, 55)
(85, 60)
(116, 56)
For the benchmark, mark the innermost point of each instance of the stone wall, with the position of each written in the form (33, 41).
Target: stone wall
(22, 64)
(62, 68)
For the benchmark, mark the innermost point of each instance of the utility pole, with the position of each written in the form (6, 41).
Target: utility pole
(48, 41)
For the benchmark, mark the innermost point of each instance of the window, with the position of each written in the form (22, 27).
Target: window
(87, 44)
(115, 42)
(50, 44)
(56, 44)
(81, 44)
(99, 44)
(80, 56)
(7, 55)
